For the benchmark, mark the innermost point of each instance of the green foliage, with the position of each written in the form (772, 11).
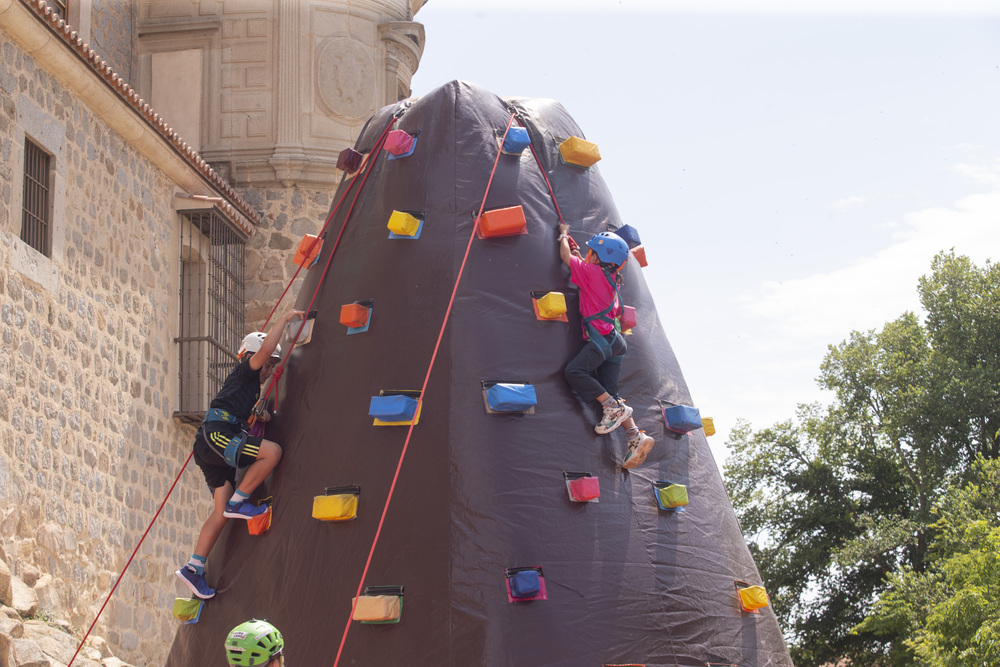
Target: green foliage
(950, 614)
(838, 505)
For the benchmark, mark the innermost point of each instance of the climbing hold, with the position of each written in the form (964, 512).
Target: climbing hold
(708, 425)
(338, 503)
(405, 225)
(188, 610)
(628, 234)
(502, 222)
(516, 141)
(682, 418)
(293, 333)
(259, 524)
(751, 598)
(510, 396)
(353, 315)
(525, 583)
(627, 320)
(623, 664)
(670, 496)
(378, 605)
(399, 144)
(357, 316)
(579, 152)
(350, 160)
(640, 256)
(582, 487)
(307, 254)
(395, 408)
(392, 408)
(550, 306)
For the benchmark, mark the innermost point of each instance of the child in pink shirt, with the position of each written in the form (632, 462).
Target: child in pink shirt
(594, 372)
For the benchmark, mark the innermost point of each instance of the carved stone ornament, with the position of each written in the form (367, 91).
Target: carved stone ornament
(345, 78)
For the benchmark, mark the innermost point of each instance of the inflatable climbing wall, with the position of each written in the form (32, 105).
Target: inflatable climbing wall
(512, 536)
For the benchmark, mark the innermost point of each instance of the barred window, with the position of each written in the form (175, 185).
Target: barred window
(36, 217)
(212, 321)
(59, 6)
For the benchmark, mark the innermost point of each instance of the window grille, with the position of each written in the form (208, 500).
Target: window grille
(36, 218)
(212, 299)
(58, 6)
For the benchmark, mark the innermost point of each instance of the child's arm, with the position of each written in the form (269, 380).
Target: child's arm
(565, 254)
(272, 339)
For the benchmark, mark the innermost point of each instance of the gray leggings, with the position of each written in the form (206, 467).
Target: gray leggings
(590, 375)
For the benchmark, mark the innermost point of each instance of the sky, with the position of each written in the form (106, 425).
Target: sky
(791, 173)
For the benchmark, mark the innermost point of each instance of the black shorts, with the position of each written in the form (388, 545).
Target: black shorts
(209, 450)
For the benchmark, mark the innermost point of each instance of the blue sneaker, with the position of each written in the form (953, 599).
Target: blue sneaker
(243, 510)
(196, 582)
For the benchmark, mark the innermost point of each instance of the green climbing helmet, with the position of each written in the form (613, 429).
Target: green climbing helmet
(253, 643)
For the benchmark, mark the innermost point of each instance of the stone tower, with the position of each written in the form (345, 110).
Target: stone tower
(273, 90)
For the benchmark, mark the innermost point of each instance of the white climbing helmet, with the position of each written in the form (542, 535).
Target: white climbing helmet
(253, 342)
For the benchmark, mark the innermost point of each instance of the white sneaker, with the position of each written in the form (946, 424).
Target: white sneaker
(613, 417)
(639, 446)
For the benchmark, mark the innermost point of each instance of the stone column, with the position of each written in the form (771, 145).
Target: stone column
(288, 157)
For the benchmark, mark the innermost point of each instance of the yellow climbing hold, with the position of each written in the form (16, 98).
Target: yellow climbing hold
(335, 507)
(673, 496)
(186, 609)
(753, 598)
(404, 224)
(552, 305)
(579, 152)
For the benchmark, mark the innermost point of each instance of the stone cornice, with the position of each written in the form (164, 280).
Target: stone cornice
(408, 39)
(61, 51)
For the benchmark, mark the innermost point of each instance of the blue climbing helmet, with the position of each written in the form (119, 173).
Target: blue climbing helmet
(610, 248)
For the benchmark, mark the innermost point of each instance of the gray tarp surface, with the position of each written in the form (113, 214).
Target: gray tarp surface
(477, 493)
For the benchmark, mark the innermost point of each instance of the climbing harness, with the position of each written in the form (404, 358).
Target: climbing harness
(598, 339)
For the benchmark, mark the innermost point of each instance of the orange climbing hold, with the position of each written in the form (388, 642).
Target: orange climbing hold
(353, 315)
(308, 251)
(640, 255)
(502, 222)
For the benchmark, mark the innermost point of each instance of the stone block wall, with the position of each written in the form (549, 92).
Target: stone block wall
(112, 31)
(88, 445)
(291, 213)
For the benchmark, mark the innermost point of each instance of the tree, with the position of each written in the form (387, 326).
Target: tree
(950, 613)
(836, 501)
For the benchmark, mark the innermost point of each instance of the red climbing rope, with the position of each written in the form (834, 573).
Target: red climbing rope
(329, 219)
(423, 390)
(276, 375)
(134, 551)
(552, 193)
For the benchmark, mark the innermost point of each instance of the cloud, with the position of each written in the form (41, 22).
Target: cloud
(828, 306)
(984, 174)
(847, 202)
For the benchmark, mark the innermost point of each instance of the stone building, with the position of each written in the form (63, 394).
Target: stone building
(160, 161)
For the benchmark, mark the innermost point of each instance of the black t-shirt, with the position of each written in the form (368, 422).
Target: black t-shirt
(240, 391)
